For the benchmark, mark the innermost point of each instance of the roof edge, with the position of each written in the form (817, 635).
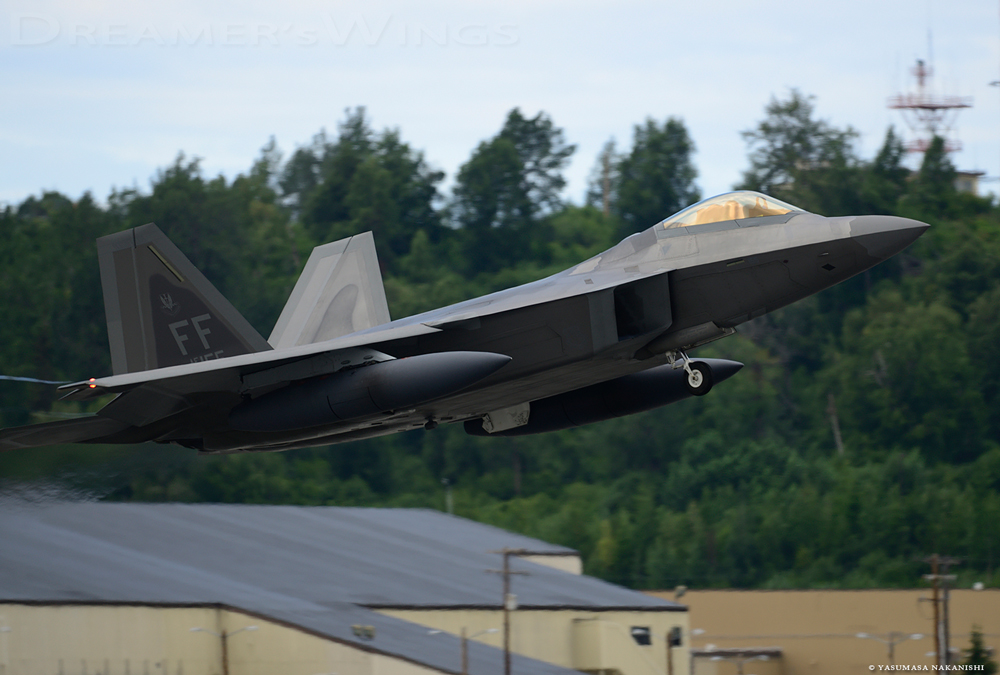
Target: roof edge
(533, 608)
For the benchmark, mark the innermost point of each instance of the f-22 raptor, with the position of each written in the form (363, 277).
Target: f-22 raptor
(606, 338)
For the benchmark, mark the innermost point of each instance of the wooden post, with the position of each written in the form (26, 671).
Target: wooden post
(506, 612)
(937, 617)
(465, 653)
(506, 573)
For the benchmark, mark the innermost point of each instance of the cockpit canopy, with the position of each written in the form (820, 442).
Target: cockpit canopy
(729, 206)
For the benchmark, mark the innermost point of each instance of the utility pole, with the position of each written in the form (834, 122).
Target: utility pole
(937, 618)
(465, 637)
(509, 599)
(670, 655)
(938, 578)
(224, 636)
(945, 620)
(465, 652)
(6, 655)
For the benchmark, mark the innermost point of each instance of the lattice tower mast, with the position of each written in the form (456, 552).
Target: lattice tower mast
(928, 114)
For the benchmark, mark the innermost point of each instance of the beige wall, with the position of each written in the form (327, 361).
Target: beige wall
(570, 638)
(566, 563)
(114, 640)
(816, 629)
(138, 640)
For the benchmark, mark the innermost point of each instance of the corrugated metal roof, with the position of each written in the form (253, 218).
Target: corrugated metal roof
(314, 567)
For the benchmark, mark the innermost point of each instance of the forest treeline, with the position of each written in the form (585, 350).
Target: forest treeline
(745, 487)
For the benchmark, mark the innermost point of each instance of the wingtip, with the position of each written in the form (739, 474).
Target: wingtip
(82, 391)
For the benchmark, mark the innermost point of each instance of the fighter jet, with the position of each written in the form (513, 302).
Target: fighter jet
(606, 338)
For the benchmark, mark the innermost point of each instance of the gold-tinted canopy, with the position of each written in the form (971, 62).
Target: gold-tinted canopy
(729, 206)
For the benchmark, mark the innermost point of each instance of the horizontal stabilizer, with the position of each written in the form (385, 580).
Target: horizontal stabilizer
(338, 293)
(161, 310)
(76, 430)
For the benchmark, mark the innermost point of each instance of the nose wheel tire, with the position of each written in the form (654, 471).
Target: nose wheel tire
(699, 378)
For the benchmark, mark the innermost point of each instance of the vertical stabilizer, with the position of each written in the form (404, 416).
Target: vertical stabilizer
(161, 310)
(339, 292)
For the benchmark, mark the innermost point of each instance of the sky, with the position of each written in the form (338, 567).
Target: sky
(98, 94)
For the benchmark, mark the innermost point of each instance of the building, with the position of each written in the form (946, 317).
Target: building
(968, 181)
(816, 631)
(173, 589)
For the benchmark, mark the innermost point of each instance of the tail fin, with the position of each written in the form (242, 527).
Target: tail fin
(161, 310)
(339, 292)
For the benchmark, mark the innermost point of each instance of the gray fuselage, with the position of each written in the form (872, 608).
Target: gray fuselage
(669, 288)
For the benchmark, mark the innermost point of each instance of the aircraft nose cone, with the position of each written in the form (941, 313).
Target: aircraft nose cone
(885, 236)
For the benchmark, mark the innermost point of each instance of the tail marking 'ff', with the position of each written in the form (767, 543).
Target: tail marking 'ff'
(161, 310)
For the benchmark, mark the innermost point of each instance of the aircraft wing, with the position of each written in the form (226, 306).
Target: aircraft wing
(227, 374)
(148, 396)
(601, 273)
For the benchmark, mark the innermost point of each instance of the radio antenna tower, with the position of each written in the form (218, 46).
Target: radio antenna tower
(928, 114)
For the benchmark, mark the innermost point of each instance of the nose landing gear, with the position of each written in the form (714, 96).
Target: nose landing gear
(699, 374)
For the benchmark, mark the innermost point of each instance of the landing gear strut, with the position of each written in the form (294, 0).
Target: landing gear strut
(699, 375)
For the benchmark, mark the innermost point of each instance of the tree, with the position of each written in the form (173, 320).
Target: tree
(410, 187)
(325, 207)
(506, 189)
(933, 190)
(578, 233)
(301, 174)
(543, 153)
(364, 181)
(983, 332)
(976, 654)
(204, 218)
(603, 180)
(885, 180)
(53, 325)
(891, 395)
(656, 178)
(276, 246)
(796, 157)
(237, 234)
(491, 207)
